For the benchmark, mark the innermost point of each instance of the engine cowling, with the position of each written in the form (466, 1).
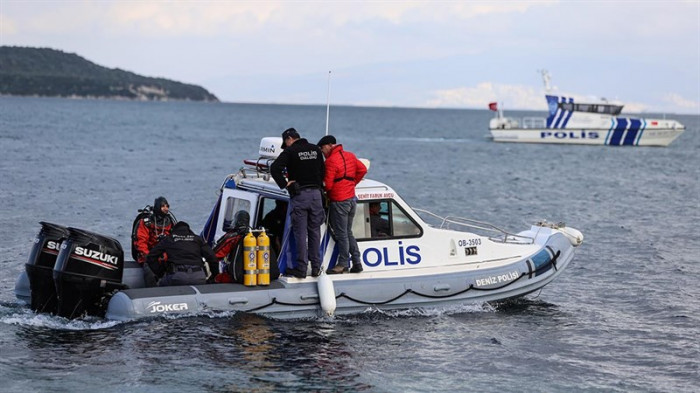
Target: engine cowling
(40, 266)
(88, 270)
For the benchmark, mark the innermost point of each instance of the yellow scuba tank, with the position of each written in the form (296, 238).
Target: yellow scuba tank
(249, 260)
(263, 258)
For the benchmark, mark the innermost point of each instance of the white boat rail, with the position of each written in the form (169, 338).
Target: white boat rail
(507, 123)
(462, 223)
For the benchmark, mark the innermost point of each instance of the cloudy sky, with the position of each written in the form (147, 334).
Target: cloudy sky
(436, 54)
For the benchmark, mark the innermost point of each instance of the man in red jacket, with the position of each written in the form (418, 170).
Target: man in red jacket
(343, 172)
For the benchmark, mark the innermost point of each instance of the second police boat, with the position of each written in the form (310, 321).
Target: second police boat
(449, 261)
(584, 123)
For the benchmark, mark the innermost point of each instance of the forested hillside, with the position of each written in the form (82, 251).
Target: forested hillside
(48, 72)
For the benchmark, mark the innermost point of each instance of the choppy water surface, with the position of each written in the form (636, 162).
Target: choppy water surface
(623, 317)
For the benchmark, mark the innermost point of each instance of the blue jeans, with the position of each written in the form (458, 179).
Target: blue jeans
(341, 215)
(307, 217)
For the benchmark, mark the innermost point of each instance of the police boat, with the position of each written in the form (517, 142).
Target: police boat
(583, 123)
(414, 259)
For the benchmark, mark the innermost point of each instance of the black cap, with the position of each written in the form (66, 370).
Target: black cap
(328, 139)
(181, 224)
(289, 132)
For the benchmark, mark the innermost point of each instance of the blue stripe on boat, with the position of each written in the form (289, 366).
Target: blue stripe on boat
(641, 131)
(613, 123)
(325, 241)
(560, 115)
(619, 131)
(568, 116)
(530, 268)
(631, 135)
(552, 105)
(542, 260)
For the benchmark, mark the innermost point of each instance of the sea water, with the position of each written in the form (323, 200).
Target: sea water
(623, 317)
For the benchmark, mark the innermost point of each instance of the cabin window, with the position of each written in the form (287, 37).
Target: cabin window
(591, 108)
(272, 214)
(265, 206)
(232, 206)
(383, 219)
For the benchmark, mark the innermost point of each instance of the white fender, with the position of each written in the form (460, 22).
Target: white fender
(326, 294)
(365, 162)
(574, 235)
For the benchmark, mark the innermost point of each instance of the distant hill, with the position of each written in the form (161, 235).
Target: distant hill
(49, 72)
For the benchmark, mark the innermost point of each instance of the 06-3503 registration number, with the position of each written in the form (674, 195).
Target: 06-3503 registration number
(469, 242)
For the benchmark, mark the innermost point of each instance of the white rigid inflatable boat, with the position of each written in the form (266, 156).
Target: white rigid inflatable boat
(73, 272)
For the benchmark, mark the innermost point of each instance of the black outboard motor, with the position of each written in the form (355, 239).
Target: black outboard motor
(88, 271)
(40, 266)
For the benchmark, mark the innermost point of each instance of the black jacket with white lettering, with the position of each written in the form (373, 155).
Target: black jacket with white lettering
(304, 163)
(182, 247)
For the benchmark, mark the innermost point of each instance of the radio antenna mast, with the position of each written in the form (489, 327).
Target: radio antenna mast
(328, 101)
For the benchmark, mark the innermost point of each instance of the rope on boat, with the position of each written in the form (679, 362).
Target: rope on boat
(553, 262)
(275, 301)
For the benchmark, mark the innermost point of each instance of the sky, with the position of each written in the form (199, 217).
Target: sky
(431, 54)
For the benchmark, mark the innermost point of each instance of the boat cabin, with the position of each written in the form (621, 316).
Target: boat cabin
(381, 214)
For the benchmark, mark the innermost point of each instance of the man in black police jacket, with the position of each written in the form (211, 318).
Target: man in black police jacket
(183, 264)
(304, 182)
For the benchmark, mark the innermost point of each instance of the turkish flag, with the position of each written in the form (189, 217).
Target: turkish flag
(493, 106)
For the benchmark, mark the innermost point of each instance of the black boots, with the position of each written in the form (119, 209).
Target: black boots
(315, 271)
(337, 269)
(293, 272)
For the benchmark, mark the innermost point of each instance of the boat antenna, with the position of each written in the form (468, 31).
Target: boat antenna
(546, 79)
(328, 101)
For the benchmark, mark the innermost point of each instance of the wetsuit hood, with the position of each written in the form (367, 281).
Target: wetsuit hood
(241, 220)
(157, 204)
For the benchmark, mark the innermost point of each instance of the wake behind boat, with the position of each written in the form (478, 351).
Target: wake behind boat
(72, 272)
(592, 123)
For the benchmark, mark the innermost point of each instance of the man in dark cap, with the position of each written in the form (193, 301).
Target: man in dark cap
(186, 252)
(343, 172)
(305, 170)
(153, 227)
